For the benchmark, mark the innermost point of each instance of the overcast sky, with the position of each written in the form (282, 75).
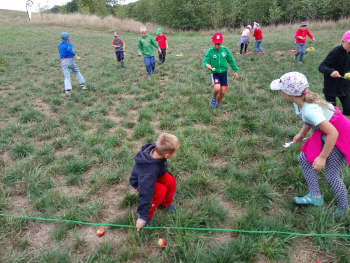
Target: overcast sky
(21, 4)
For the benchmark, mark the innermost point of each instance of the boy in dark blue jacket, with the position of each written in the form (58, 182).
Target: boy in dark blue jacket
(156, 186)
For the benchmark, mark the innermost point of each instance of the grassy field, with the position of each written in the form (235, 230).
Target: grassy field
(71, 157)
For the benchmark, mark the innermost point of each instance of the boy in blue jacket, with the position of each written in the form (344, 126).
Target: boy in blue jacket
(67, 55)
(156, 186)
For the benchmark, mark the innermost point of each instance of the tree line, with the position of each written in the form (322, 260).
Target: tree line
(206, 14)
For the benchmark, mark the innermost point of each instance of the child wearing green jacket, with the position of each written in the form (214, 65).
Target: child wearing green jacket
(215, 60)
(145, 47)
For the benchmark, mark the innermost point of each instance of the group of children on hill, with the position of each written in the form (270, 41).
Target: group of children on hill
(327, 148)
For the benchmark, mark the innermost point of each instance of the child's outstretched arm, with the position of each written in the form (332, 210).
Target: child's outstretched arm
(301, 134)
(332, 135)
(139, 47)
(146, 190)
(206, 62)
(232, 63)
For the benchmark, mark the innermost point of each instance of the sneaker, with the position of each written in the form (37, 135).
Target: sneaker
(122, 64)
(218, 106)
(212, 102)
(171, 208)
(309, 200)
(83, 87)
(67, 92)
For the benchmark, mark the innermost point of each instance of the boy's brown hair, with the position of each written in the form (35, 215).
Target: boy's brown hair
(167, 144)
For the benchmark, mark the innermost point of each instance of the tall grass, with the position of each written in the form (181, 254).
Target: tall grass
(108, 22)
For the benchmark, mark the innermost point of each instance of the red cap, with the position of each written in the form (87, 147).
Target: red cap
(217, 38)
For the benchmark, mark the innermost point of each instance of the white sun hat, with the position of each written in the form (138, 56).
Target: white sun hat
(291, 83)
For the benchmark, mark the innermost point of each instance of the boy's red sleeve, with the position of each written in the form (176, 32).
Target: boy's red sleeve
(309, 34)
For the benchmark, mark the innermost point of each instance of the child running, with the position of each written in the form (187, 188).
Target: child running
(145, 47)
(156, 186)
(329, 145)
(244, 40)
(119, 46)
(258, 39)
(163, 45)
(67, 55)
(300, 40)
(334, 67)
(215, 60)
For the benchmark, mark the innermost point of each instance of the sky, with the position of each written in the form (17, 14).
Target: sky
(20, 5)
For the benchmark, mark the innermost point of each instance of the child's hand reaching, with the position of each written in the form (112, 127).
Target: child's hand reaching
(236, 76)
(77, 57)
(319, 163)
(298, 138)
(140, 223)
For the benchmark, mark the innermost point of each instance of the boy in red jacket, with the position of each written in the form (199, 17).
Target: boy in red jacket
(258, 38)
(300, 39)
(163, 45)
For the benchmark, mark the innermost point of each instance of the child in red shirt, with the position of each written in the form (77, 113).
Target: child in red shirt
(258, 38)
(300, 39)
(163, 45)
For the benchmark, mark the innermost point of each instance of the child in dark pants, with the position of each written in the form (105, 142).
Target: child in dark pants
(334, 67)
(156, 186)
(119, 46)
(163, 45)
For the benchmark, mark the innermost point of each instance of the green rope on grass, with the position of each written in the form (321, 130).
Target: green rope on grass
(180, 228)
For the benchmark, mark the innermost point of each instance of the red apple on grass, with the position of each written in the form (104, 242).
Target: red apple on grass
(100, 232)
(162, 242)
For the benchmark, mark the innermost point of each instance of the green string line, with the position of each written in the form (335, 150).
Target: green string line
(180, 228)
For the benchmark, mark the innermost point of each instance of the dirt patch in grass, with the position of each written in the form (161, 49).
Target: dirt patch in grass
(263, 259)
(218, 161)
(41, 106)
(6, 91)
(302, 251)
(38, 235)
(63, 152)
(6, 158)
(18, 205)
(232, 209)
(112, 197)
(127, 96)
(201, 126)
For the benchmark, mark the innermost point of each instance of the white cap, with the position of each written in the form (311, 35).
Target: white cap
(291, 83)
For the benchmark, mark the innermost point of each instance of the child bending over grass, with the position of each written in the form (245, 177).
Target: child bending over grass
(215, 60)
(329, 145)
(67, 55)
(244, 40)
(156, 186)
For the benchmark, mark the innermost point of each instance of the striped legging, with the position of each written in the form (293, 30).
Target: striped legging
(334, 164)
